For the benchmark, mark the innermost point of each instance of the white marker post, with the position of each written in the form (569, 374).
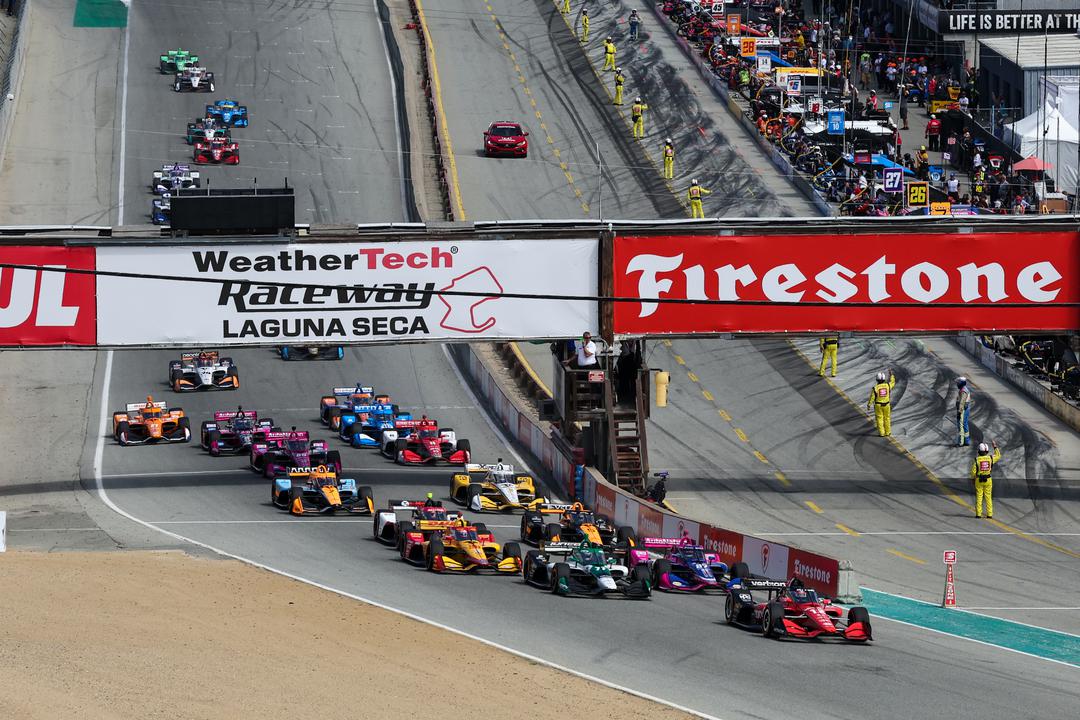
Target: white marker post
(949, 601)
(3, 531)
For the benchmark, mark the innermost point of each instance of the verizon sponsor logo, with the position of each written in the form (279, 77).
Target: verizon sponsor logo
(881, 280)
(813, 573)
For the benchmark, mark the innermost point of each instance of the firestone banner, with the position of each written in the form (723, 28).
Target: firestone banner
(339, 293)
(915, 282)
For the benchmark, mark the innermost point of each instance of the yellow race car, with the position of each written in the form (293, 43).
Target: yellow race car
(495, 487)
(459, 547)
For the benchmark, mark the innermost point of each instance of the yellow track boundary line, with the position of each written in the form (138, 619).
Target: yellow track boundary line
(945, 489)
(442, 111)
(529, 369)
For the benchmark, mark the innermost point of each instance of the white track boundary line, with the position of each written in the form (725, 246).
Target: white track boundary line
(123, 123)
(98, 457)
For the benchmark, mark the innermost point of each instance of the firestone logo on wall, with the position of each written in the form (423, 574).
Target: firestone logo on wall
(40, 307)
(860, 283)
(337, 292)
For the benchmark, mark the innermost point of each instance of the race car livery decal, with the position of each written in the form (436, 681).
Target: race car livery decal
(347, 292)
(47, 308)
(864, 282)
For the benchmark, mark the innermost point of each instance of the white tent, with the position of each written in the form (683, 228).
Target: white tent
(1051, 137)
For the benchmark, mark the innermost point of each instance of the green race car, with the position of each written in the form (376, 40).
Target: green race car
(178, 60)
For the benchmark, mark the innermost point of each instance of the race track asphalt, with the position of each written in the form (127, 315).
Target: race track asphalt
(673, 647)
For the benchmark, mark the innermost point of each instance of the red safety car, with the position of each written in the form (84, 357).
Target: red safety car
(506, 138)
(217, 152)
(792, 610)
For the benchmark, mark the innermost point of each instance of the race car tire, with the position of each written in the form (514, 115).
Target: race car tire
(122, 430)
(526, 526)
(552, 532)
(333, 458)
(212, 89)
(481, 528)
(561, 571)
(403, 528)
(285, 352)
(660, 568)
(294, 492)
(729, 610)
(471, 491)
(174, 375)
(176, 87)
(772, 619)
(185, 426)
(859, 614)
(227, 361)
(202, 432)
(528, 566)
(341, 352)
(464, 445)
(740, 570)
(213, 436)
(333, 418)
(640, 573)
(435, 549)
(366, 495)
(235, 375)
(512, 550)
(399, 445)
(625, 535)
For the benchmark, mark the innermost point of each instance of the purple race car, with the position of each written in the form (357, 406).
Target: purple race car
(278, 451)
(682, 566)
(233, 432)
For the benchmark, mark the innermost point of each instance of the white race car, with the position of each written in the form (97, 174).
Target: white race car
(203, 370)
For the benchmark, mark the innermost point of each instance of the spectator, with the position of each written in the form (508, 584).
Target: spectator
(585, 350)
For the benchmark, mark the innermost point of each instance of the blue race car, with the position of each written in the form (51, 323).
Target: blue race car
(161, 210)
(343, 399)
(228, 112)
(312, 352)
(363, 426)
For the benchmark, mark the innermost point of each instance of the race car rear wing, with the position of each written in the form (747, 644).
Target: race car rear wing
(550, 507)
(135, 407)
(377, 409)
(560, 548)
(760, 584)
(287, 435)
(188, 356)
(361, 389)
(430, 424)
(484, 467)
(652, 542)
(222, 415)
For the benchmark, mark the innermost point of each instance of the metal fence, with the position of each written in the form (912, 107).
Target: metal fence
(11, 58)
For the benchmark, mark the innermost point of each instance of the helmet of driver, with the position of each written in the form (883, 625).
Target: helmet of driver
(984, 448)
(961, 381)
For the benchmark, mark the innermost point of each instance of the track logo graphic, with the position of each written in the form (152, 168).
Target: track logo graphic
(765, 556)
(463, 311)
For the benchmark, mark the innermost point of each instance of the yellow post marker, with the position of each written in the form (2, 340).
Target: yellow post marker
(662, 380)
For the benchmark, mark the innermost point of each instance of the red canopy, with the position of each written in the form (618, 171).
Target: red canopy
(1032, 163)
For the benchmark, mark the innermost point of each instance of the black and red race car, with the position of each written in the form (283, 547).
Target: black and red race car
(506, 138)
(423, 442)
(792, 610)
(217, 152)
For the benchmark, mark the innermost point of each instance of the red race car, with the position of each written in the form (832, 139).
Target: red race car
(792, 610)
(423, 442)
(506, 138)
(218, 152)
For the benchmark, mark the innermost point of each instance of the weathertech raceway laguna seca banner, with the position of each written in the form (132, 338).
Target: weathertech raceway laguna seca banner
(915, 282)
(345, 292)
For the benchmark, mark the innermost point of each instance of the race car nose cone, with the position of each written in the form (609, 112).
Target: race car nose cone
(607, 583)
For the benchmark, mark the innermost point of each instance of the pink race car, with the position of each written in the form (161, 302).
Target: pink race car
(279, 451)
(683, 565)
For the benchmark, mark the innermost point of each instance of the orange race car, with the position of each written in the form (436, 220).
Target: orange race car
(150, 422)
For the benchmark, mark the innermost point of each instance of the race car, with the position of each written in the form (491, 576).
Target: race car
(495, 487)
(312, 352)
(460, 547)
(319, 490)
(574, 523)
(161, 210)
(207, 129)
(425, 516)
(150, 422)
(567, 568)
(233, 432)
(343, 399)
(203, 370)
(194, 78)
(506, 138)
(792, 610)
(278, 450)
(174, 176)
(423, 442)
(229, 113)
(365, 425)
(174, 61)
(683, 566)
(216, 152)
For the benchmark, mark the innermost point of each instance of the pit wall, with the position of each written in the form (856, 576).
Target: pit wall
(648, 520)
(1035, 389)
